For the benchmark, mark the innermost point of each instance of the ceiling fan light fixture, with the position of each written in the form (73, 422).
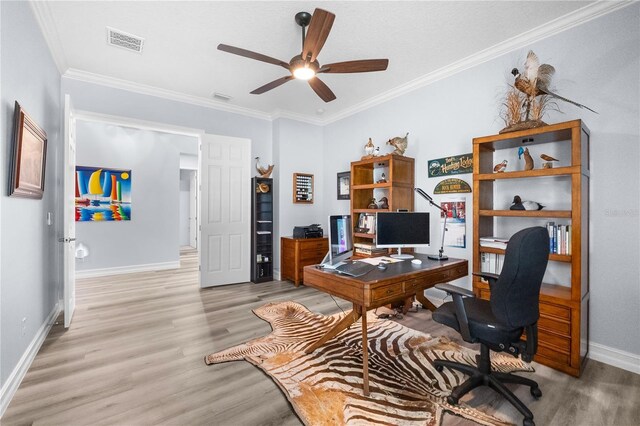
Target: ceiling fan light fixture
(304, 73)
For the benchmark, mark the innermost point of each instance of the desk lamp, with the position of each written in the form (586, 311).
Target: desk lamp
(440, 255)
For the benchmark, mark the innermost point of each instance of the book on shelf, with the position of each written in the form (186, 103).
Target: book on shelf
(559, 238)
(494, 242)
(368, 252)
(491, 263)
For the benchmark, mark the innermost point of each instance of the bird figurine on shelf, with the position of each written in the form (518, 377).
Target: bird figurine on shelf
(376, 152)
(528, 160)
(500, 167)
(384, 203)
(368, 150)
(518, 204)
(265, 172)
(400, 144)
(372, 204)
(535, 81)
(546, 157)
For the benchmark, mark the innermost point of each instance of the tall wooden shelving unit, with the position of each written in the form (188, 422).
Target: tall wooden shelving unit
(398, 188)
(564, 307)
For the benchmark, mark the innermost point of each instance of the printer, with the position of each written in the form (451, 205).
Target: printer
(309, 231)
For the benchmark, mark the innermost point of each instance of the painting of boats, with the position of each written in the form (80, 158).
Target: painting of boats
(102, 194)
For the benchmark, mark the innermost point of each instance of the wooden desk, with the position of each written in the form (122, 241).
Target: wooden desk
(378, 288)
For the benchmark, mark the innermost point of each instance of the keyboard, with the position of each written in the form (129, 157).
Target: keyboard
(355, 269)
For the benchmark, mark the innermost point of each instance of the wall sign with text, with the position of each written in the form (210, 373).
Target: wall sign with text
(452, 186)
(454, 165)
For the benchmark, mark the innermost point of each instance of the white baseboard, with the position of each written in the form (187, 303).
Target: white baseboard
(10, 387)
(276, 274)
(117, 270)
(615, 357)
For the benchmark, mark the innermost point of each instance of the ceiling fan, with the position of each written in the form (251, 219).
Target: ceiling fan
(306, 66)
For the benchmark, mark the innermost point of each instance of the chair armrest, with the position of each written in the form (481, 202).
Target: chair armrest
(491, 278)
(461, 314)
(452, 289)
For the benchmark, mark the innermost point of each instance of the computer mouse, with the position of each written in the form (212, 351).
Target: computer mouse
(382, 266)
(416, 262)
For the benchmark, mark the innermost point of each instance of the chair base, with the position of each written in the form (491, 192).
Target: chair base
(483, 376)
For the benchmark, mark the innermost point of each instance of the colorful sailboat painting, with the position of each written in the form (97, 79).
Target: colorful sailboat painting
(102, 194)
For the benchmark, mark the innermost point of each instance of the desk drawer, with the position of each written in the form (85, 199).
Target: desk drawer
(314, 255)
(387, 292)
(314, 244)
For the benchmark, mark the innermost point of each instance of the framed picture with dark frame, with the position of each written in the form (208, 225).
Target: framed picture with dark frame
(28, 158)
(344, 185)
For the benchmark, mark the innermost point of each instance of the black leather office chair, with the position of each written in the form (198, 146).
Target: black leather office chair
(498, 324)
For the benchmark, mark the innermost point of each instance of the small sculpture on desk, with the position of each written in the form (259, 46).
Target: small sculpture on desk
(372, 204)
(265, 172)
(400, 144)
(383, 179)
(384, 203)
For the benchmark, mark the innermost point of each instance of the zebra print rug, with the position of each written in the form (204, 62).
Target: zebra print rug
(325, 387)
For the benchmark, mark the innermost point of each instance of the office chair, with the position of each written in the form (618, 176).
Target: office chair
(498, 324)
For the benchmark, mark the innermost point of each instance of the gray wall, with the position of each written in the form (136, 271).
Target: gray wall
(597, 64)
(297, 148)
(152, 234)
(29, 277)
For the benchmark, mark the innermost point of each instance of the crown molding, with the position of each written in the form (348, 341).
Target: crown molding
(297, 117)
(116, 83)
(558, 25)
(42, 13)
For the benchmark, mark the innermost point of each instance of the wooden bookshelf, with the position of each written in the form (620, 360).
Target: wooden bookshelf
(564, 308)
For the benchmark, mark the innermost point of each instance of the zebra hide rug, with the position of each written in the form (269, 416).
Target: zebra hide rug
(325, 387)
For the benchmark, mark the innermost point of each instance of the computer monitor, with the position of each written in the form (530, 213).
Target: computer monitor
(340, 243)
(402, 229)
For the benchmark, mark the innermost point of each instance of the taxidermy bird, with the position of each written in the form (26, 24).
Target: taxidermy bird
(498, 168)
(369, 148)
(535, 81)
(265, 172)
(400, 144)
(546, 157)
(518, 204)
(528, 160)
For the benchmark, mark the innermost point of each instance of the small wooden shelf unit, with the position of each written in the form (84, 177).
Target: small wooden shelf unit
(563, 338)
(398, 188)
(296, 253)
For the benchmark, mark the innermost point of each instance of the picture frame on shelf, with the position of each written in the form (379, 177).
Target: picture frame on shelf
(344, 185)
(29, 155)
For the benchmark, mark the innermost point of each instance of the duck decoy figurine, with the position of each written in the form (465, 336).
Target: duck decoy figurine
(546, 157)
(499, 168)
(372, 204)
(535, 81)
(528, 160)
(384, 203)
(265, 172)
(518, 204)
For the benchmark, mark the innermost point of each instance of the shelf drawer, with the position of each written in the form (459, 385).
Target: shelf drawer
(554, 341)
(556, 311)
(558, 326)
(387, 291)
(551, 354)
(313, 245)
(315, 255)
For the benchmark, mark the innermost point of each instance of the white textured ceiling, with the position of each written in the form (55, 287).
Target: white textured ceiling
(180, 52)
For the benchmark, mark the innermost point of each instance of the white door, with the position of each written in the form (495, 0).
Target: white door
(193, 210)
(69, 219)
(224, 210)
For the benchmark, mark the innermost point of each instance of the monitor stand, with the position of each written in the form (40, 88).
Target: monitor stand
(326, 263)
(401, 256)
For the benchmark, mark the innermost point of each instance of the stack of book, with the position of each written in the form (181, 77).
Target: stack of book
(559, 238)
(491, 262)
(369, 249)
(494, 242)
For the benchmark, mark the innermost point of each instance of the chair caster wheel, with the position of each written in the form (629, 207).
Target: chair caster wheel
(452, 400)
(528, 422)
(536, 392)
(439, 368)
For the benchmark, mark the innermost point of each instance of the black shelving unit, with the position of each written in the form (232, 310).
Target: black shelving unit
(261, 229)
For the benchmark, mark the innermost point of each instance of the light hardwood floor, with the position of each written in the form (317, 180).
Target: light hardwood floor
(134, 356)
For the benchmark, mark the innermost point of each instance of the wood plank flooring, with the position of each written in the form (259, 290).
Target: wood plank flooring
(134, 356)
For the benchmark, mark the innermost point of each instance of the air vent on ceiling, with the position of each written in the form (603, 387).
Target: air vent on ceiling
(221, 96)
(124, 40)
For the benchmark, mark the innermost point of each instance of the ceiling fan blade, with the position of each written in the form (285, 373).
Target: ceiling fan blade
(321, 89)
(272, 85)
(252, 55)
(319, 28)
(365, 65)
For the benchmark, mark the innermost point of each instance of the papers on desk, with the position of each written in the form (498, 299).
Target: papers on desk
(377, 260)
